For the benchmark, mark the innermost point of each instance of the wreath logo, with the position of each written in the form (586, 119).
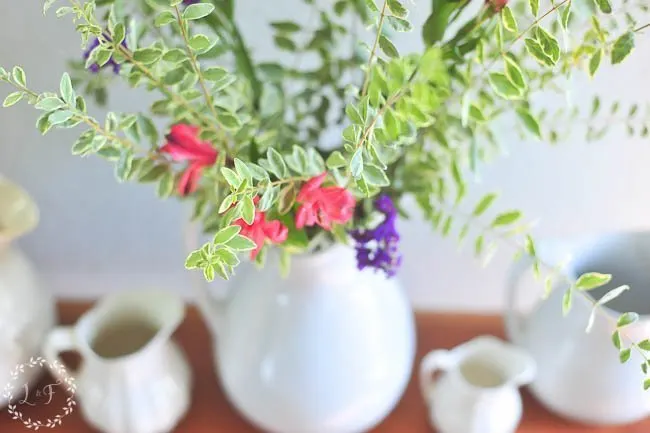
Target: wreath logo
(67, 381)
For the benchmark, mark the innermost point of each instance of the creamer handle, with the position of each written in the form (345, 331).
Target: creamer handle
(513, 321)
(57, 341)
(432, 362)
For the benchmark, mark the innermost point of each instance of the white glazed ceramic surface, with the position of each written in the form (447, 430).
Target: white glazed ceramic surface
(26, 310)
(580, 376)
(327, 349)
(478, 389)
(147, 391)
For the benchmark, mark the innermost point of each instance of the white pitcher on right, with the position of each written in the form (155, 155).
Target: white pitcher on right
(579, 373)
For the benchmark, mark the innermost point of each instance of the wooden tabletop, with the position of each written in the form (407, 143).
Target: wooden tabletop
(211, 413)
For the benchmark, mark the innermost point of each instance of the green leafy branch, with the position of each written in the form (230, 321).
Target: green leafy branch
(373, 50)
(584, 283)
(115, 43)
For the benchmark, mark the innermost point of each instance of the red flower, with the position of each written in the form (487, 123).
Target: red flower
(323, 206)
(497, 5)
(261, 230)
(183, 144)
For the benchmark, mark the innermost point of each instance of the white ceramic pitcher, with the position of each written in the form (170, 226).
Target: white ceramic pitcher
(26, 310)
(133, 378)
(328, 349)
(478, 390)
(579, 373)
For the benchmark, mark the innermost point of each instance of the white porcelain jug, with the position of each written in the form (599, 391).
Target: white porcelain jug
(27, 311)
(478, 389)
(133, 378)
(579, 373)
(327, 349)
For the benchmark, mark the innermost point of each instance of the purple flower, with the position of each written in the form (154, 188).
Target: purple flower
(378, 247)
(95, 68)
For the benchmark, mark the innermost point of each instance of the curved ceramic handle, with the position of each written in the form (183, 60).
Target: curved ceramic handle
(59, 340)
(513, 322)
(433, 361)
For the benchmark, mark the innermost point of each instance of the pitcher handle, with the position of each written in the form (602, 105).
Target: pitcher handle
(59, 340)
(433, 361)
(513, 320)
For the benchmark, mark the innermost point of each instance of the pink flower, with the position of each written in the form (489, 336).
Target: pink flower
(183, 144)
(323, 206)
(261, 230)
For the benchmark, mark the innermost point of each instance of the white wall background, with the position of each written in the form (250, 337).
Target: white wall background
(97, 235)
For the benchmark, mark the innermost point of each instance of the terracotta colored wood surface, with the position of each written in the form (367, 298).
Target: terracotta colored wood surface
(211, 413)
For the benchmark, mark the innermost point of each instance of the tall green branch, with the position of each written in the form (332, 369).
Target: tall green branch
(373, 50)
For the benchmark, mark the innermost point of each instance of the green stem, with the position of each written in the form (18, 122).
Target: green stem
(197, 68)
(373, 51)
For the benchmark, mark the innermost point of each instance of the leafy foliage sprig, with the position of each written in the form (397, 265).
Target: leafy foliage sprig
(419, 124)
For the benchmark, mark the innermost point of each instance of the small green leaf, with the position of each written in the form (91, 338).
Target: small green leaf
(286, 199)
(503, 87)
(166, 185)
(508, 20)
(646, 383)
(535, 49)
(567, 300)
(241, 243)
(12, 99)
(594, 62)
(592, 280)
(399, 24)
(616, 339)
(372, 7)
(353, 114)
(356, 163)
(565, 15)
(242, 170)
(215, 73)
(60, 116)
(624, 355)
(208, 273)
(478, 245)
(119, 33)
(612, 294)
(147, 56)
(534, 7)
(200, 43)
(514, 73)
(627, 319)
(224, 235)
(388, 47)
(484, 204)
(506, 218)
(336, 160)
(530, 122)
(248, 209)
(164, 18)
(375, 176)
(286, 26)
(67, 92)
(604, 5)
(277, 164)
(397, 8)
(197, 11)
(231, 177)
(194, 260)
(622, 47)
(19, 76)
(285, 43)
(644, 345)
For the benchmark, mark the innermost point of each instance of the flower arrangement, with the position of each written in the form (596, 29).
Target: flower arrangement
(242, 140)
